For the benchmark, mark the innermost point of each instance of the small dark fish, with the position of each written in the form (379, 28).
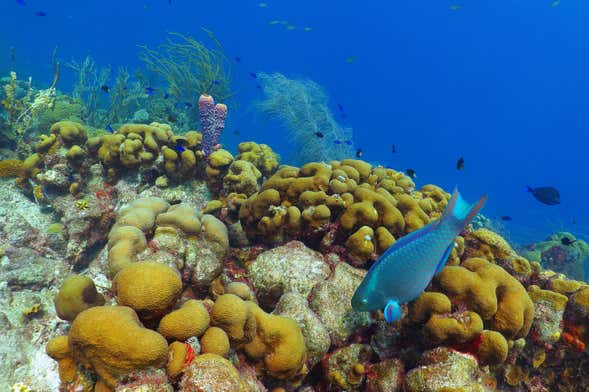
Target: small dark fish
(149, 90)
(460, 164)
(105, 88)
(545, 194)
(359, 153)
(172, 118)
(110, 128)
(40, 13)
(166, 96)
(237, 59)
(253, 75)
(236, 132)
(258, 86)
(411, 173)
(179, 148)
(394, 149)
(567, 241)
(319, 134)
(348, 142)
(337, 141)
(216, 82)
(187, 104)
(21, 2)
(340, 107)
(506, 218)
(71, 178)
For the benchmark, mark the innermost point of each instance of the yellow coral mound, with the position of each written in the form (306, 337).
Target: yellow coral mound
(490, 291)
(279, 343)
(150, 288)
(112, 341)
(77, 293)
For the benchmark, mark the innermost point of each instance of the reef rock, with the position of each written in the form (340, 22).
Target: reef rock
(331, 301)
(444, 369)
(289, 268)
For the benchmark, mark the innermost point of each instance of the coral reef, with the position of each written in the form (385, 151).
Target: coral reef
(556, 255)
(233, 273)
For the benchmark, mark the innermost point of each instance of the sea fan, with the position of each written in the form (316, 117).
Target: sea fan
(302, 107)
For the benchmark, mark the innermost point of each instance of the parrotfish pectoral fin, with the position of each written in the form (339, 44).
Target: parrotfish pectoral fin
(392, 311)
(460, 211)
(445, 257)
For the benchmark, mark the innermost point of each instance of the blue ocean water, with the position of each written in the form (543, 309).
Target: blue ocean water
(503, 84)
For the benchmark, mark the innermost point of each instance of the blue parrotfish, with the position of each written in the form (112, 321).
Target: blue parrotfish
(405, 269)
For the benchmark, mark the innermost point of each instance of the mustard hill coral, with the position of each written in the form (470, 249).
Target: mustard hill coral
(491, 292)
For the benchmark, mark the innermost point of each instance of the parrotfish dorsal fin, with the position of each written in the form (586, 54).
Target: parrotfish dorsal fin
(444, 258)
(392, 311)
(460, 211)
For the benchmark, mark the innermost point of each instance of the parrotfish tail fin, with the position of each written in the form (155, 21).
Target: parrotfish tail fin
(460, 212)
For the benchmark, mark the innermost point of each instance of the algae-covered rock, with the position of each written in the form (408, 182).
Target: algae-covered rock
(385, 376)
(211, 372)
(289, 268)
(346, 367)
(331, 301)
(444, 369)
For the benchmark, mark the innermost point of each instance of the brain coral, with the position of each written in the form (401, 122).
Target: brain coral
(192, 319)
(279, 343)
(150, 288)
(77, 293)
(112, 341)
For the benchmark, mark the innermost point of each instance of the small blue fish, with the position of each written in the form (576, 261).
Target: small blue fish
(405, 269)
(253, 75)
(166, 96)
(348, 142)
(110, 128)
(149, 90)
(258, 86)
(340, 107)
(179, 148)
(216, 82)
(21, 2)
(337, 141)
(237, 59)
(40, 13)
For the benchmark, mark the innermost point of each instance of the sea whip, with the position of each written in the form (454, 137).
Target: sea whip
(212, 122)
